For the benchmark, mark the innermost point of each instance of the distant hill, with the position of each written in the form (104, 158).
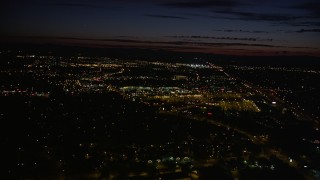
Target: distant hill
(162, 55)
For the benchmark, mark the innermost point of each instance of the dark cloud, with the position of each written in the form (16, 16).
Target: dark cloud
(312, 7)
(221, 38)
(210, 16)
(308, 30)
(249, 16)
(203, 4)
(139, 43)
(81, 5)
(164, 16)
(242, 31)
(299, 31)
(260, 16)
(298, 24)
(167, 3)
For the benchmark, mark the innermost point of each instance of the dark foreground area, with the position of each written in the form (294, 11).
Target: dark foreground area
(105, 136)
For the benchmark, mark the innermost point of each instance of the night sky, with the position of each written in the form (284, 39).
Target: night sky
(250, 27)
